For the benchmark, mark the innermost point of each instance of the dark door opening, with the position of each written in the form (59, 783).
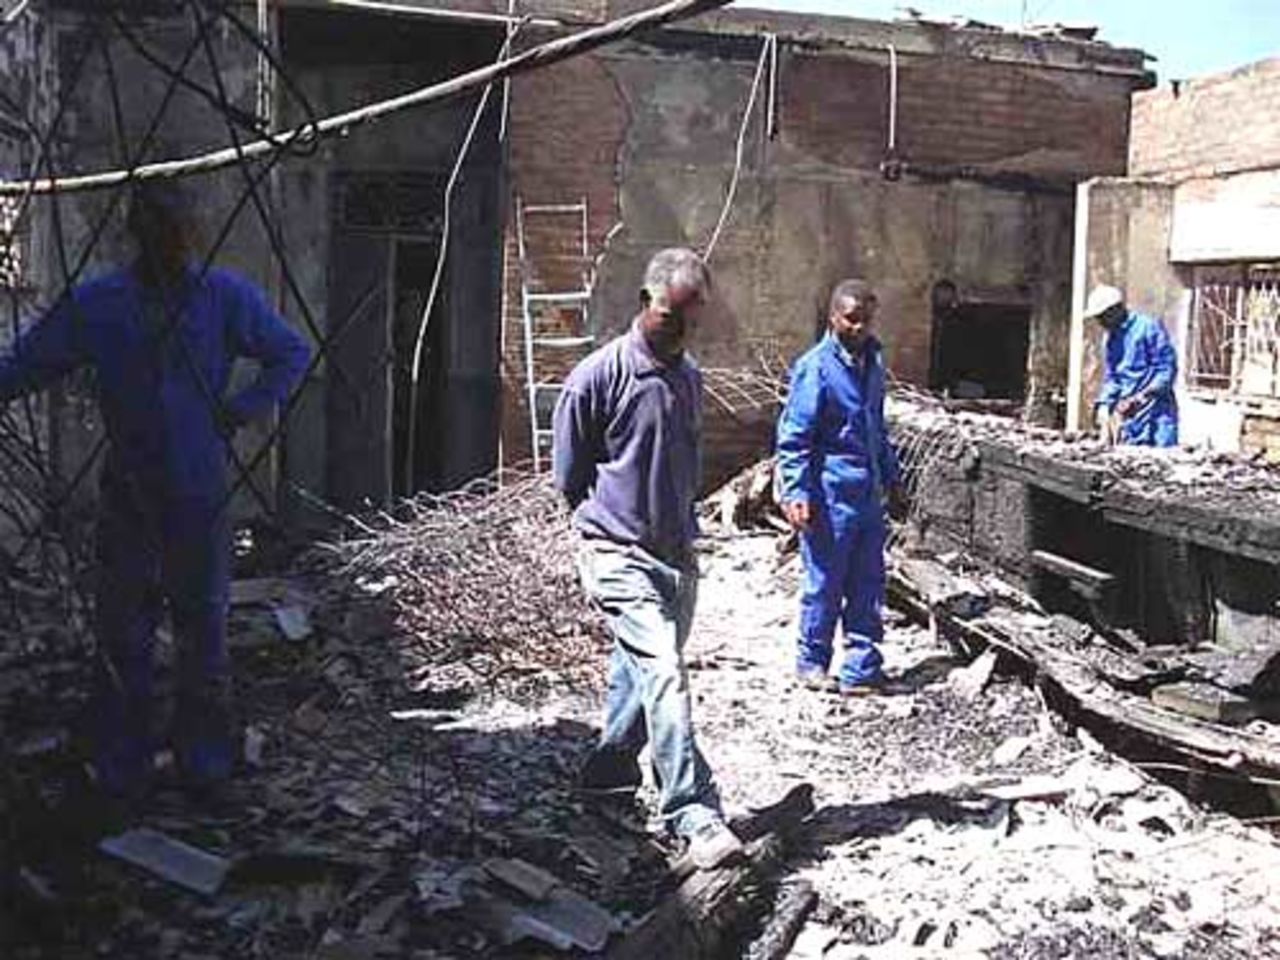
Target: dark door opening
(980, 351)
(414, 263)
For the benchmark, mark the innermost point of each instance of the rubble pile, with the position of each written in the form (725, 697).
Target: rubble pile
(921, 422)
(394, 800)
(476, 587)
(963, 818)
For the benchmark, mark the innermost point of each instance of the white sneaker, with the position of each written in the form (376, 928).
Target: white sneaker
(713, 844)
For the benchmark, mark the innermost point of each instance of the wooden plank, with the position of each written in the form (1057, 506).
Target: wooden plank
(695, 920)
(1198, 740)
(1073, 570)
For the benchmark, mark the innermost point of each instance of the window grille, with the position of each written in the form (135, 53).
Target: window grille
(1234, 337)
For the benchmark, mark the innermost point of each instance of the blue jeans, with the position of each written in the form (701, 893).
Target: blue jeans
(150, 552)
(843, 552)
(648, 605)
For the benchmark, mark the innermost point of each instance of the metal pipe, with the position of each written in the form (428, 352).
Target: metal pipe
(441, 13)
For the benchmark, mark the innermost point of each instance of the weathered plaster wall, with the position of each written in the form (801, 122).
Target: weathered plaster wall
(647, 133)
(1227, 218)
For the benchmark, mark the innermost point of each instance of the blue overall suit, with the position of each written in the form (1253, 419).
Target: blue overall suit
(160, 357)
(1140, 360)
(834, 453)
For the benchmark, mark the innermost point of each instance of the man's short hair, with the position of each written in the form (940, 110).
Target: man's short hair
(676, 267)
(858, 290)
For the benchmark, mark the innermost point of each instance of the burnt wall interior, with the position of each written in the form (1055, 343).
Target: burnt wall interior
(1167, 590)
(368, 212)
(356, 219)
(1157, 592)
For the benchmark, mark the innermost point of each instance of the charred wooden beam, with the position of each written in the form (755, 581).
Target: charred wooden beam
(696, 920)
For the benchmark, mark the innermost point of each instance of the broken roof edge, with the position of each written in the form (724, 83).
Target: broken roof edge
(907, 37)
(929, 38)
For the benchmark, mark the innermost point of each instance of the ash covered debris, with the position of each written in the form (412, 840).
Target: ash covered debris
(479, 585)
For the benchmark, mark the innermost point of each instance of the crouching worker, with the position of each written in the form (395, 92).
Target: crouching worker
(626, 457)
(1136, 404)
(835, 468)
(161, 337)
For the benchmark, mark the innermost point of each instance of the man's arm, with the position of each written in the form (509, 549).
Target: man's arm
(576, 436)
(48, 349)
(1162, 368)
(1164, 360)
(797, 429)
(886, 455)
(261, 334)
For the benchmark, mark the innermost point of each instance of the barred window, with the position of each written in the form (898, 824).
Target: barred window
(11, 243)
(1234, 338)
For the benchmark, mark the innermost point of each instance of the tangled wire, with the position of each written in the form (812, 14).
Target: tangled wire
(480, 584)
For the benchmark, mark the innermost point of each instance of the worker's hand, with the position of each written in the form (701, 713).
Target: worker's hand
(1106, 426)
(1126, 407)
(898, 506)
(799, 513)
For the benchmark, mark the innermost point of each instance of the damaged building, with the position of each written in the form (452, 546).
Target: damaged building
(1083, 641)
(938, 161)
(1193, 233)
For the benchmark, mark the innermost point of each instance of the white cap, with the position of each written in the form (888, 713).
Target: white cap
(1102, 299)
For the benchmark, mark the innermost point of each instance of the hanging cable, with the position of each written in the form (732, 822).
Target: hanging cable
(893, 100)
(424, 324)
(769, 41)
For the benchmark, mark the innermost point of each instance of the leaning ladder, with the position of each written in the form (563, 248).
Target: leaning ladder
(557, 321)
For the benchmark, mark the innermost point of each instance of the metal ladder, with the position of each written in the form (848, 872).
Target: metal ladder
(558, 328)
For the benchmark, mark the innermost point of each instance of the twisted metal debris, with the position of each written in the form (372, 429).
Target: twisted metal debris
(480, 585)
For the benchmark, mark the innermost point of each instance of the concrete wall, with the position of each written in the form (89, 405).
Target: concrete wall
(1219, 124)
(647, 133)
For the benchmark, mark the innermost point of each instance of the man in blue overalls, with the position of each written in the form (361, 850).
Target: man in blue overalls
(1136, 404)
(835, 467)
(161, 337)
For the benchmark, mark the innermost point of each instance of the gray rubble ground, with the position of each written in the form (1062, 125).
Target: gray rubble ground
(960, 817)
(922, 846)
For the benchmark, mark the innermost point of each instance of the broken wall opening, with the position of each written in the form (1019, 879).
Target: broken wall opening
(1113, 575)
(372, 210)
(979, 350)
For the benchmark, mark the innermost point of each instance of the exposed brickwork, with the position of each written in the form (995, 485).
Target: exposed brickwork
(567, 126)
(954, 111)
(657, 126)
(1219, 124)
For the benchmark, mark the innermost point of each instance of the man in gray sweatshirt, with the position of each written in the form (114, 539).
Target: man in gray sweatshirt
(626, 456)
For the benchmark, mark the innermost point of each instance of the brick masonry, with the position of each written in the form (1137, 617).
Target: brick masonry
(1220, 124)
(646, 134)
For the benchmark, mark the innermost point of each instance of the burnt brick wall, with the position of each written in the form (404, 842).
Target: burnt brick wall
(646, 133)
(957, 111)
(1218, 124)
